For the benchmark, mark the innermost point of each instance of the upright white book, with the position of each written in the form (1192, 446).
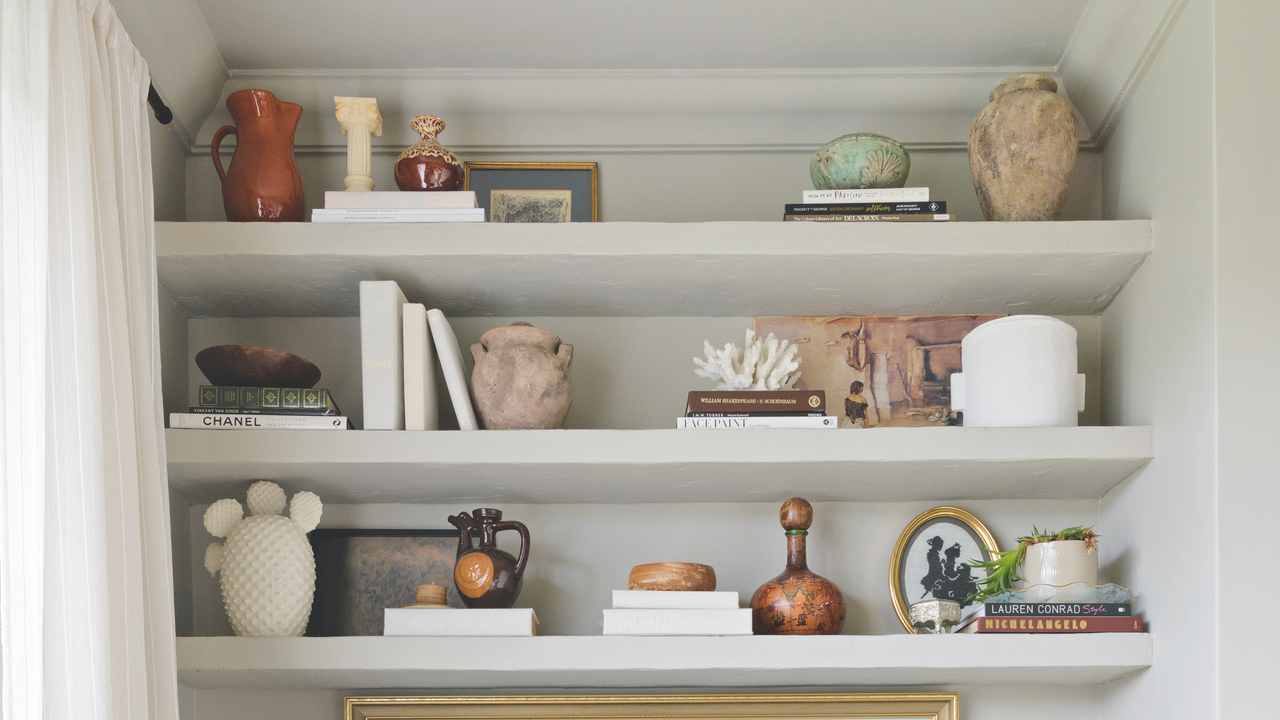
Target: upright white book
(382, 354)
(257, 422)
(819, 422)
(455, 374)
(393, 215)
(506, 622)
(861, 195)
(655, 621)
(669, 599)
(420, 409)
(429, 200)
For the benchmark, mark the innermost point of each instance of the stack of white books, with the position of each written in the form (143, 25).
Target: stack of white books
(660, 612)
(425, 206)
(453, 622)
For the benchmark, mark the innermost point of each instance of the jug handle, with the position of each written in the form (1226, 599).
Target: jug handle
(524, 541)
(217, 138)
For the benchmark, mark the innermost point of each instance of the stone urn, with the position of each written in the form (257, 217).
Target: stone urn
(521, 378)
(1022, 148)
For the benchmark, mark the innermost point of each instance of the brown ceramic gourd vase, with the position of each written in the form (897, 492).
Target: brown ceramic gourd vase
(799, 601)
(485, 576)
(262, 183)
(1022, 149)
(521, 378)
(428, 165)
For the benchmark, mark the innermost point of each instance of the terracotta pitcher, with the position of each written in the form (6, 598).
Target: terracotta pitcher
(263, 184)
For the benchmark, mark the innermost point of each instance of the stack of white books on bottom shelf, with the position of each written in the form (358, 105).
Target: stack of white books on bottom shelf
(427, 206)
(453, 622)
(660, 612)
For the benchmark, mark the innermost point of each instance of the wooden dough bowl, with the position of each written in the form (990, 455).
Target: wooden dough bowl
(672, 576)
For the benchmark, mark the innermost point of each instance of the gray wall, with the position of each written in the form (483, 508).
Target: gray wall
(1158, 362)
(683, 187)
(1247, 61)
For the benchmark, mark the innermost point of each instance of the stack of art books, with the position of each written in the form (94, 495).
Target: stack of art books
(663, 612)
(1052, 617)
(403, 207)
(868, 205)
(745, 409)
(261, 408)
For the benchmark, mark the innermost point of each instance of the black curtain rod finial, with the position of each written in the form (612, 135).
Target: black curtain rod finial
(163, 114)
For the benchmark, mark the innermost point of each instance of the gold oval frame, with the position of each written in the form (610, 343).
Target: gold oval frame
(900, 605)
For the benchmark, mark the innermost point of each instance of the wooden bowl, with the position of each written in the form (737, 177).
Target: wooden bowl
(248, 366)
(672, 576)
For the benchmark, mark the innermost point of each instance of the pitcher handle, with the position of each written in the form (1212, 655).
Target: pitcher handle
(217, 139)
(524, 542)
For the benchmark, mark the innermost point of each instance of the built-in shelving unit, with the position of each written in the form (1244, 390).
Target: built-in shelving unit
(658, 270)
(641, 662)
(656, 466)
(726, 269)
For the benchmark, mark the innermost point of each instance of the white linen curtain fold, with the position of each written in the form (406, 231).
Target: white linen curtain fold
(88, 434)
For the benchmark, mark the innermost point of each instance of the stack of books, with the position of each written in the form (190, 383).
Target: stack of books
(403, 207)
(869, 205)
(223, 407)
(741, 409)
(453, 622)
(662, 612)
(1052, 618)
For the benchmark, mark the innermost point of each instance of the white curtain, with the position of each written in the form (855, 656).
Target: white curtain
(86, 595)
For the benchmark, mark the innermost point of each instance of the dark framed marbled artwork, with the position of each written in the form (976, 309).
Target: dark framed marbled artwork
(361, 572)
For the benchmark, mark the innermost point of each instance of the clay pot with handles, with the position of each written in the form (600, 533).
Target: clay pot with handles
(521, 378)
(262, 184)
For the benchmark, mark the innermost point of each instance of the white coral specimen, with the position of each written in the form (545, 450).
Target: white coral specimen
(765, 364)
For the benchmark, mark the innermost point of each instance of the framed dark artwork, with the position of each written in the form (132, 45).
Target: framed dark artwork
(931, 561)
(361, 572)
(890, 371)
(826, 706)
(535, 191)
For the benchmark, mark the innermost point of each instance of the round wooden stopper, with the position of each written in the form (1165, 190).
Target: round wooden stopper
(796, 514)
(432, 595)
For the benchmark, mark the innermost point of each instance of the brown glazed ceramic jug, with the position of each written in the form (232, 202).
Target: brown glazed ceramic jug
(485, 576)
(428, 165)
(797, 602)
(263, 183)
(521, 378)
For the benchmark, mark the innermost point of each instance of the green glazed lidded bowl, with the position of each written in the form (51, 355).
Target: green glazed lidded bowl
(860, 160)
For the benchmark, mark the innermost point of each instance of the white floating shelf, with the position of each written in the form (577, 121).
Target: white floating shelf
(661, 466)
(723, 269)
(659, 662)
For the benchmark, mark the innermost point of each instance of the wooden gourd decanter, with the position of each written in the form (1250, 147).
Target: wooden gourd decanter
(485, 576)
(799, 601)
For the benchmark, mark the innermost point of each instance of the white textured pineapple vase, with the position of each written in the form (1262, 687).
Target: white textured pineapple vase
(268, 569)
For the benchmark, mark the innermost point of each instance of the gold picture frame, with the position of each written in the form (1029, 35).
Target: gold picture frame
(832, 706)
(568, 185)
(904, 561)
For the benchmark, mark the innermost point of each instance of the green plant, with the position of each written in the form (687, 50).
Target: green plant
(1004, 565)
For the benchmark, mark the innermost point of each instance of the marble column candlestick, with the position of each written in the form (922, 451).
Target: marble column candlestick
(360, 120)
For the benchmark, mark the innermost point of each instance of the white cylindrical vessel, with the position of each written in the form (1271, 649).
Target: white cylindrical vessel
(1019, 371)
(1061, 562)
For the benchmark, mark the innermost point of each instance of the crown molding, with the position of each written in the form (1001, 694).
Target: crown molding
(565, 112)
(1109, 55)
